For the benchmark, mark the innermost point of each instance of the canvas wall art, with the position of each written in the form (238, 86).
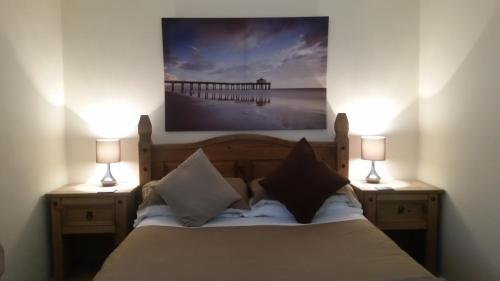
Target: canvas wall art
(225, 74)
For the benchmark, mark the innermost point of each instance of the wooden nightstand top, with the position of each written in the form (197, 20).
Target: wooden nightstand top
(411, 186)
(92, 190)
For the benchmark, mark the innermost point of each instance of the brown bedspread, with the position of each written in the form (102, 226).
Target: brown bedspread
(345, 251)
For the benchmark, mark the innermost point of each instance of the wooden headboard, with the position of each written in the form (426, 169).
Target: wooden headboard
(247, 156)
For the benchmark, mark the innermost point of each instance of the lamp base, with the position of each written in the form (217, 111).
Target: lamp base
(108, 179)
(373, 177)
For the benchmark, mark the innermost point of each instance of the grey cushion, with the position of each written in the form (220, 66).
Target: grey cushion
(196, 191)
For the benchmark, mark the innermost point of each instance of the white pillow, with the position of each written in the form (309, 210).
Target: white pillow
(348, 191)
(195, 191)
(335, 203)
(268, 208)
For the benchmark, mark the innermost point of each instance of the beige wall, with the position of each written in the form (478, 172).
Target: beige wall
(31, 131)
(113, 72)
(460, 130)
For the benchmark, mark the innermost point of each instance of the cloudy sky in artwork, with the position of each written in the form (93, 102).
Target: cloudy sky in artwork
(288, 52)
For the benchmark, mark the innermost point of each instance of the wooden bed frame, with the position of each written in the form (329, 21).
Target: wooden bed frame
(247, 156)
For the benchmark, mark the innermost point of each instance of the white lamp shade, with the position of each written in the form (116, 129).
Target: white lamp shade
(107, 150)
(373, 148)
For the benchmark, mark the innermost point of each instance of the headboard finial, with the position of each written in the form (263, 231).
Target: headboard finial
(145, 129)
(341, 124)
(341, 139)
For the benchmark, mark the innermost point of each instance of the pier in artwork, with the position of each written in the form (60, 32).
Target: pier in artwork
(215, 90)
(192, 86)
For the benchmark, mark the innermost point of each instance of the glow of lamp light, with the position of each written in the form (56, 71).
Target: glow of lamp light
(111, 120)
(57, 99)
(371, 116)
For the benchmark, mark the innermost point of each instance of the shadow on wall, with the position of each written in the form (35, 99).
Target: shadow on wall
(462, 239)
(459, 129)
(33, 150)
(29, 244)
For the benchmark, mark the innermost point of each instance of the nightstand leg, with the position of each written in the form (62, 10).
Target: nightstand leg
(57, 240)
(370, 208)
(121, 219)
(432, 234)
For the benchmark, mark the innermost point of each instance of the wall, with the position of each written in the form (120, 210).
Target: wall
(114, 72)
(32, 131)
(460, 130)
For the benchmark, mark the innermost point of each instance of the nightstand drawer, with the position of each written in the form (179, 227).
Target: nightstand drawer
(402, 211)
(78, 212)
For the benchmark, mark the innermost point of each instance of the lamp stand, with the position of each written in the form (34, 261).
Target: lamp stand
(373, 177)
(108, 179)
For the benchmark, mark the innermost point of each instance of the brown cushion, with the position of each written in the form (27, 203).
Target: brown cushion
(302, 183)
(195, 191)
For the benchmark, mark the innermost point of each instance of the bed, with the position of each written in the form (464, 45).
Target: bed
(339, 245)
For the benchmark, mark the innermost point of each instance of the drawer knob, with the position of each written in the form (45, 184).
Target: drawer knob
(90, 215)
(401, 210)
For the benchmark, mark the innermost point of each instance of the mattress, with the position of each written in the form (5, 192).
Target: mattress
(350, 249)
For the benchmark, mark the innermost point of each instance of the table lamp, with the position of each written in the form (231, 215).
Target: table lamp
(108, 151)
(373, 149)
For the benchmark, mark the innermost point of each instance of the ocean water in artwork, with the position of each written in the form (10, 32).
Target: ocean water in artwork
(274, 109)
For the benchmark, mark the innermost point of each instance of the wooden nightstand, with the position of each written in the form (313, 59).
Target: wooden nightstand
(412, 207)
(84, 210)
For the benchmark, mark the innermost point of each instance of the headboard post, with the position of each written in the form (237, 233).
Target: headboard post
(145, 130)
(341, 139)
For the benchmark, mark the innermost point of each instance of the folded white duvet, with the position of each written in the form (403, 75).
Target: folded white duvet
(265, 212)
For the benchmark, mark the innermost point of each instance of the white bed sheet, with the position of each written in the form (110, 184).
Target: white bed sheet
(339, 212)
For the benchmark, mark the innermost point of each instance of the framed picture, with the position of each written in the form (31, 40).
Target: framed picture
(225, 74)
